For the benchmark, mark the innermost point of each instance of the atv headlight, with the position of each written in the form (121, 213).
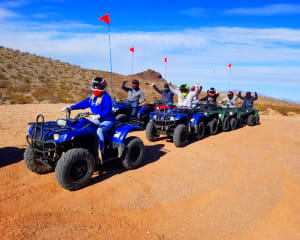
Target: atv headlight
(114, 109)
(230, 113)
(117, 134)
(56, 136)
(220, 115)
(154, 117)
(172, 118)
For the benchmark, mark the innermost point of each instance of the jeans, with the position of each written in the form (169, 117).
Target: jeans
(103, 128)
(133, 105)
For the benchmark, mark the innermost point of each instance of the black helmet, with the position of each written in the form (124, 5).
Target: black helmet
(248, 94)
(135, 83)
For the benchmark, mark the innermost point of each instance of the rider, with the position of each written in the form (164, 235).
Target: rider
(101, 105)
(248, 99)
(167, 95)
(211, 97)
(195, 100)
(135, 95)
(230, 100)
(185, 96)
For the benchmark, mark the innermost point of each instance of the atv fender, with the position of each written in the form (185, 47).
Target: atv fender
(142, 110)
(121, 132)
(197, 118)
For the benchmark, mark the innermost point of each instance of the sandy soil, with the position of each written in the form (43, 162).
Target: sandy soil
(243, 184)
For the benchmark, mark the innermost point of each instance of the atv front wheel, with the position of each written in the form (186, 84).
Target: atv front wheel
(233, 123)
(151, 132)
(33, 164)
(251, 120)
(213, 126)
(180, 135)
(226, 124)
(123, 118)
(75, 169)
(134, 153)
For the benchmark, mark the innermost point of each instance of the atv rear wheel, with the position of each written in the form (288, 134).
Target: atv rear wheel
(133, 155)
(201, 130)
(257, 120)
(180, 135)
(251, 120)
(151, 132)
(233, 123)
(75, 169)
(122, 118)
(226, 124)
(33, 164)
(213, 126)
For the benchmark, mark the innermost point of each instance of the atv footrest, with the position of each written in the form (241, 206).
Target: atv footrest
(136, 121)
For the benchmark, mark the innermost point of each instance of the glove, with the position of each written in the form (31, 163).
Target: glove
(196, 83)
(169, 82)
(94, 117)
(64, 109)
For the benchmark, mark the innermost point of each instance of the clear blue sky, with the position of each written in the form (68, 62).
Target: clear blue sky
(260, 38)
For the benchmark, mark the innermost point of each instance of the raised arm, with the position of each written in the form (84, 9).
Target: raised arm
(157, 90)
(126, 89)
(255, 97)
(173, 90)
(240, 95)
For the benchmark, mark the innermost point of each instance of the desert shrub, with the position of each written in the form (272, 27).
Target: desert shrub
(5, 84)
(19, 98)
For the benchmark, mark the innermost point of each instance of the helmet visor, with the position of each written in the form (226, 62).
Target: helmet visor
(98, 86)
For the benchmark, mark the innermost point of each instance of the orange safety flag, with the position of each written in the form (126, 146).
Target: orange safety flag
(105, 18)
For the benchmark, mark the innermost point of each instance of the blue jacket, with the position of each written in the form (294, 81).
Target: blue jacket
(167, 97)
(104, 109)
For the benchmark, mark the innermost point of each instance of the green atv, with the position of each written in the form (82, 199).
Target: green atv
(249, 116)
(228, 118)
(212, 115)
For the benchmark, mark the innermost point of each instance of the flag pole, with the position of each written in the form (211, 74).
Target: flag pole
(132, 66)
(229, 77)
(166, 68)
(111, 78)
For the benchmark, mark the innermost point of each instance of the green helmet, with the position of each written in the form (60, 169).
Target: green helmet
(184, 89)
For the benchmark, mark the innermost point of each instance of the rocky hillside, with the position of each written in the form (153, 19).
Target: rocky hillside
(27, 78)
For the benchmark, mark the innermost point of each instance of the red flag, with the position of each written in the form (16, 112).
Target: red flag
(131, 49)
(166, 59)
(229, 65)
(105, 18)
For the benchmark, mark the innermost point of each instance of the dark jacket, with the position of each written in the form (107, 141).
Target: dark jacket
(247, 102)
(210, 100)
(167, 97)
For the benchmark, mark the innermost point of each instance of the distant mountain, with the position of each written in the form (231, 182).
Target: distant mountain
(27, 78)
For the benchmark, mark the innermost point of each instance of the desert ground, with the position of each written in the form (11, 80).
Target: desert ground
(243, 184)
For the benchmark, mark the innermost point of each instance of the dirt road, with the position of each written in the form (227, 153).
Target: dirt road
(243, 184)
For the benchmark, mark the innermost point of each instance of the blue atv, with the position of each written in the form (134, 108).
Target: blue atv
(70, 147)
(122, 112)
(177, 124)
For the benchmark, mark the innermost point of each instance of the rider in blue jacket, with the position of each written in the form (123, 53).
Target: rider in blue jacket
(101, 105)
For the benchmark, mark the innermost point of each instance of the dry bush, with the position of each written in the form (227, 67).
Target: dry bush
(5, 84)
(19, 98)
